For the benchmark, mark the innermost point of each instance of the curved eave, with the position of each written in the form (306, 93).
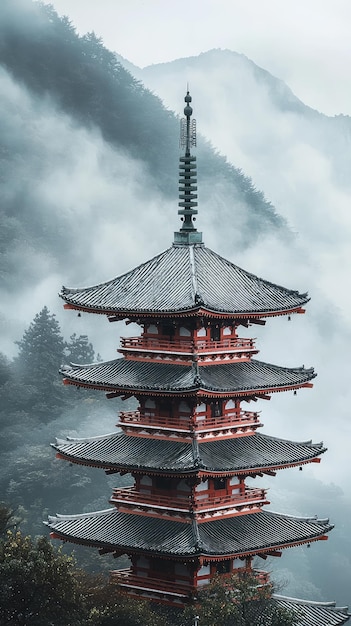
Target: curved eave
(190, 392)
(253, 378)
(185, 281)
(246, 535)
(126, 454)
(194, 471)
(309, 613)
(115, 314)
(120, 549)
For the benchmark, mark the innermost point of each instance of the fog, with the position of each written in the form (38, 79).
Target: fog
(301, 160)
(95, 205)
(109, 218)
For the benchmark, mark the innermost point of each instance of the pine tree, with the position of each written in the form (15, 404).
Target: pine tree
(41, 353)
(80, 350)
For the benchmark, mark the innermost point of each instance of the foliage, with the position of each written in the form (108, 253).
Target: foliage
(79, 76)
(9, 519)
(238, 601)
(5, 369)
(41, 353)
(79, 350)
(107, 606)
(38, 584)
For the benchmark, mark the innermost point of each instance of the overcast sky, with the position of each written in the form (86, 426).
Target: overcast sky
(306, 43)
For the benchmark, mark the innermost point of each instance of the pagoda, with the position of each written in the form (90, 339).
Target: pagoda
(193, 440)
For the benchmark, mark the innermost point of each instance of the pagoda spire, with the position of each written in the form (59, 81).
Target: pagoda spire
(187, 179)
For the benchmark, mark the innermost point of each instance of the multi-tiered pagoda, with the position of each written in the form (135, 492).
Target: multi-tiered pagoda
(193, 440)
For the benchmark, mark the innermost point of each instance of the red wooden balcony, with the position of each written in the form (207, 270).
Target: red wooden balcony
(181, 503)
(235, 419)
(180, 587)
(187, 346)
(125, 578)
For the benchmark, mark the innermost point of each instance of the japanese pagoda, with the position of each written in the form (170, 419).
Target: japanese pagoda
(192, 443)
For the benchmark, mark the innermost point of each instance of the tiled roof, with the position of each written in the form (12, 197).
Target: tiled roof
(244, 534)
(127, 375)
(314, 613)
(185, 278)
(124, 452)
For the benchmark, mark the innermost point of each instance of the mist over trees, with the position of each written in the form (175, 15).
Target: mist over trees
(67, 99)
(80, 77)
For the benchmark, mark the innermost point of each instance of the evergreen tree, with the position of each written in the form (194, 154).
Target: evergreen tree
(41, 353)
(80, 350)
(238, 601)
(9, 520)
(5, 369)
(38, 584)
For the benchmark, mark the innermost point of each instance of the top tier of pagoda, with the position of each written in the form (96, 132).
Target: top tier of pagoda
(187, 279)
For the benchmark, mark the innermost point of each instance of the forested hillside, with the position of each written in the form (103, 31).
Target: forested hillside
(80, 77)
(88, 188)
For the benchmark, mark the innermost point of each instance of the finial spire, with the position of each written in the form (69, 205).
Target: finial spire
(187, 179)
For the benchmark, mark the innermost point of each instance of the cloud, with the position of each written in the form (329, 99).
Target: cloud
(81, 210)
(305, 43)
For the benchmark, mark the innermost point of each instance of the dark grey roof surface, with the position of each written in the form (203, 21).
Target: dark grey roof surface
(314, 613)
(125, 452)
(245, 534)
(185, 278)
(123, 375)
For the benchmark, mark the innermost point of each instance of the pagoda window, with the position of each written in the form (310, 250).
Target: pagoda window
(227, 331)
(181, 573)
(149, 407)
(203, 486)
(163, 566)
(229, 407)
(202, 332)
(141, 566)
(168, 330)
(150, 404)
(235, 485)
(223, 567)
(184, 409)
(145, 484)
(152, 329)
(216, 409)
(203, 575)
(200, 411)
(183, 487)
(215, 333)
(166, 408)
(163, 484)
(201, 490)
(219, 484)
(184, 332)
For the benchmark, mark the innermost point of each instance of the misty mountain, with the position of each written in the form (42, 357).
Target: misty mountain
(301, 158)
(88, 187)
(61, 92)
(266, 114)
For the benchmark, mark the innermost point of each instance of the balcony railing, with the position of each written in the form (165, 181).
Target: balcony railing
(175, 586)
(125, 578)
(187, 346)
(189, 424)
(182, 503)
